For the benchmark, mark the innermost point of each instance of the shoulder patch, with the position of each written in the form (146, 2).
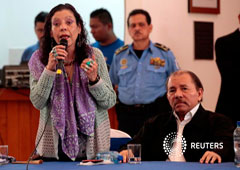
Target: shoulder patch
(119, 50)
(163, 47)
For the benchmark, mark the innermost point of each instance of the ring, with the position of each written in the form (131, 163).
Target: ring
(55, 54)
(89, 63)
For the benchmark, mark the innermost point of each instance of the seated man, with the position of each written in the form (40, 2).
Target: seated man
(190, 133)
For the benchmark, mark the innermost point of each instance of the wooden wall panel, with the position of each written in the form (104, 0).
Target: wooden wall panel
(113, 118)
(3, 124)
(25, 130)
(18, 122)
(13, 128)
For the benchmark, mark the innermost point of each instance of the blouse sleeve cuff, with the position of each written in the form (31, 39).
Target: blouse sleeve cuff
(49, 72)
(97, 84)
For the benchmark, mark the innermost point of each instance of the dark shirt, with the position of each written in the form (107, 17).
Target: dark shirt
(205, 127)
(138, 53)
(227, 59)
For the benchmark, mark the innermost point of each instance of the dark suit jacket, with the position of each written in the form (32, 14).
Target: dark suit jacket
(205, 126)
(227, 59)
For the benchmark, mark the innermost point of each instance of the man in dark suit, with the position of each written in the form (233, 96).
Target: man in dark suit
(227, 57)
(190, 133)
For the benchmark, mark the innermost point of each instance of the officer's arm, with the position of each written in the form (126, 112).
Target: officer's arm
(113, 71)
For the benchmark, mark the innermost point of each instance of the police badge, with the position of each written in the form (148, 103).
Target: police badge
(157, 62)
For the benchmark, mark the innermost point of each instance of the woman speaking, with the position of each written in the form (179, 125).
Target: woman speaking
(69, 84)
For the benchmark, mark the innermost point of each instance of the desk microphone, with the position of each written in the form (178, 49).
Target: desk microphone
(35, 149)
(60, 61)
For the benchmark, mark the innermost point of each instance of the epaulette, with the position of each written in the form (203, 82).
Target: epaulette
(119, 50)
(163, 47)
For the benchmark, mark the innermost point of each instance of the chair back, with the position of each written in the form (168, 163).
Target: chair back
(118, 138)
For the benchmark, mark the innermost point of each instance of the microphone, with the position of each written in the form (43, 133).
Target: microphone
(60, 61)
(35, 149)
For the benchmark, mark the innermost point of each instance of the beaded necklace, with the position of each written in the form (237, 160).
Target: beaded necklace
(68, 63)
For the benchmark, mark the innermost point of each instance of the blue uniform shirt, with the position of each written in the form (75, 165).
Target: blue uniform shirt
(28, 52)
(109, 50)
(139, 80)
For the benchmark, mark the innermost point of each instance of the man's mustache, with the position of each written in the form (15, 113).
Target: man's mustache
(137, 32)
(177, 101)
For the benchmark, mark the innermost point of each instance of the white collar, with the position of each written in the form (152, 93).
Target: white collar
(190, 114)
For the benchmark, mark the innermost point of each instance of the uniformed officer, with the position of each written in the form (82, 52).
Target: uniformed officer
(139, 71)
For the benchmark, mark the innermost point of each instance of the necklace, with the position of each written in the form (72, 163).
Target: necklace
(68, 63)
(69, 71)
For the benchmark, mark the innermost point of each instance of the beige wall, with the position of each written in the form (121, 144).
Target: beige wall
(173, 27)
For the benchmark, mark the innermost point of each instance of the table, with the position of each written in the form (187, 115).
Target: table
(156, 165)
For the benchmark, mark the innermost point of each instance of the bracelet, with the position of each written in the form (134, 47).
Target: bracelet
(91, 83)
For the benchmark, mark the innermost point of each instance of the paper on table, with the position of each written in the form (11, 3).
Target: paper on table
(105, 162)
(3, 161)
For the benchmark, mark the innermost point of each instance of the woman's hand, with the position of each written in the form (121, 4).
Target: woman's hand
(90, 66)
(57, 53)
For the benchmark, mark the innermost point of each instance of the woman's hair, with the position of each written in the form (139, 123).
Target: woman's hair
(82, 49)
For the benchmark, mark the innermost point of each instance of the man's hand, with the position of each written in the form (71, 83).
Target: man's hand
(124, 153)
(210, 157)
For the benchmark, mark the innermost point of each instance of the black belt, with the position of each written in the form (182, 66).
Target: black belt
(140, 105)
(143, 105)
